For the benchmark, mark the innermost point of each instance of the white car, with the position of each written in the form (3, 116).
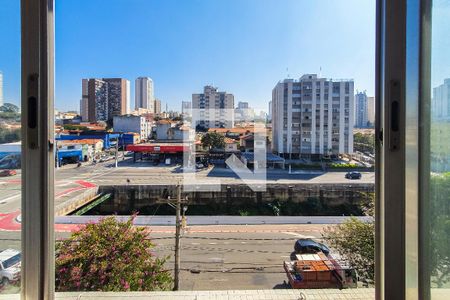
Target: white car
(9, 266)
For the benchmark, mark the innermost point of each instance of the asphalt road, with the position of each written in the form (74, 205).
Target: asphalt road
(66, 178)
(145, 173)
(219, 257)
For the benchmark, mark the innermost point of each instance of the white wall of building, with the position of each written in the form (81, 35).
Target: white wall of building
(213, 108)
(312, 115)
(131, 123)
(441, 101)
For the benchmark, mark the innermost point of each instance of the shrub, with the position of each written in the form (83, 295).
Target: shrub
(355, 241)
(343, 166)
(109, 256)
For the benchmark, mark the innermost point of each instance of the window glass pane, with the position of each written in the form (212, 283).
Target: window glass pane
(10, 147)
(439, 218)
(153, 95)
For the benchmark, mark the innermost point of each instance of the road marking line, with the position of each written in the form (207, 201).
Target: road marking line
(298, 234)
(9, 198)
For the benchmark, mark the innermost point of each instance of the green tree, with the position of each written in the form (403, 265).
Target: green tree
(9, 135)
(9, 108)
(355, 241)
(109, 256)
(440, 229)
(364, 142)
(213, 140)
(75, 127)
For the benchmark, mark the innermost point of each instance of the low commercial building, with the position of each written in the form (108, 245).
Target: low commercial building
(10, 148)
(132, 123)
(231, 145)
(166, 130)
(160, 151)
(109, 138)
(89, 147)
(10, 155)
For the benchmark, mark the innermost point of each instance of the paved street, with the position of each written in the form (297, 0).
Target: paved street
(238, 257)
(213, 257)
(222, 257)
(71, 181)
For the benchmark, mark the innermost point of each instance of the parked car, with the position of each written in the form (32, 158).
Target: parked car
(353, 175)
(9, 266)
(199, 166)
(4, 173)
(309, 246)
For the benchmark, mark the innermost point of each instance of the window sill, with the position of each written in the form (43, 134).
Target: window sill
(311, 294)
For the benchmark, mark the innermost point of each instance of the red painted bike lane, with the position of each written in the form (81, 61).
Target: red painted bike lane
(9, 222)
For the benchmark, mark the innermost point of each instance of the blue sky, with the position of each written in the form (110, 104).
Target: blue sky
(242, 46)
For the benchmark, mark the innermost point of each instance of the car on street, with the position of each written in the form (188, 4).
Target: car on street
(9, 266)
(4, 173)
(309, 246)
(353, 175)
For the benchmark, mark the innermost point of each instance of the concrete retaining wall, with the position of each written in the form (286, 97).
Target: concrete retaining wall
(133, 197)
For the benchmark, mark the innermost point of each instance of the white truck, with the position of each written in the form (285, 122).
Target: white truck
(9, 266)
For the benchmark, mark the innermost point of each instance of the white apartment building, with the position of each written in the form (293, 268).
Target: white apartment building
(157, 108)
(440, 108)
(312, 117)
(132, 123)
(361, 110)
(213, 108)
(186, 108)
(144, 95)
(269, 115)
(371, 111)
(243, 112)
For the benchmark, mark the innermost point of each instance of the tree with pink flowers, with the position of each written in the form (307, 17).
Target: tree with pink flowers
(110, 256)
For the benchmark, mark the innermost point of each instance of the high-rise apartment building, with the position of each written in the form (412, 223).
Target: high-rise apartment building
(243, 112)
(118, 96)
(242, 105)
(269, 115)
(157, 106)
(105, 98)
(361, 110)
(186, 108)
(441, 101)
(144, 95)
(312, 117)
(213, 108)
(371, 111)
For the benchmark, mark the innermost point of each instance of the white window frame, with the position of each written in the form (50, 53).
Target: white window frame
(396, 236)
(38, 270)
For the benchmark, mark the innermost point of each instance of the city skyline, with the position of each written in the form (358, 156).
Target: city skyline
(247, 52)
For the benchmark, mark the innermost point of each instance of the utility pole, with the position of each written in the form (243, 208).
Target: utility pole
(177, 239)
(117, 151)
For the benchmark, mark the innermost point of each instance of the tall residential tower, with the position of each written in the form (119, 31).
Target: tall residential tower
(440, 108)
(144, 95)
(213, 108)
(312, 117)
(102, 99)
(361, 110)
